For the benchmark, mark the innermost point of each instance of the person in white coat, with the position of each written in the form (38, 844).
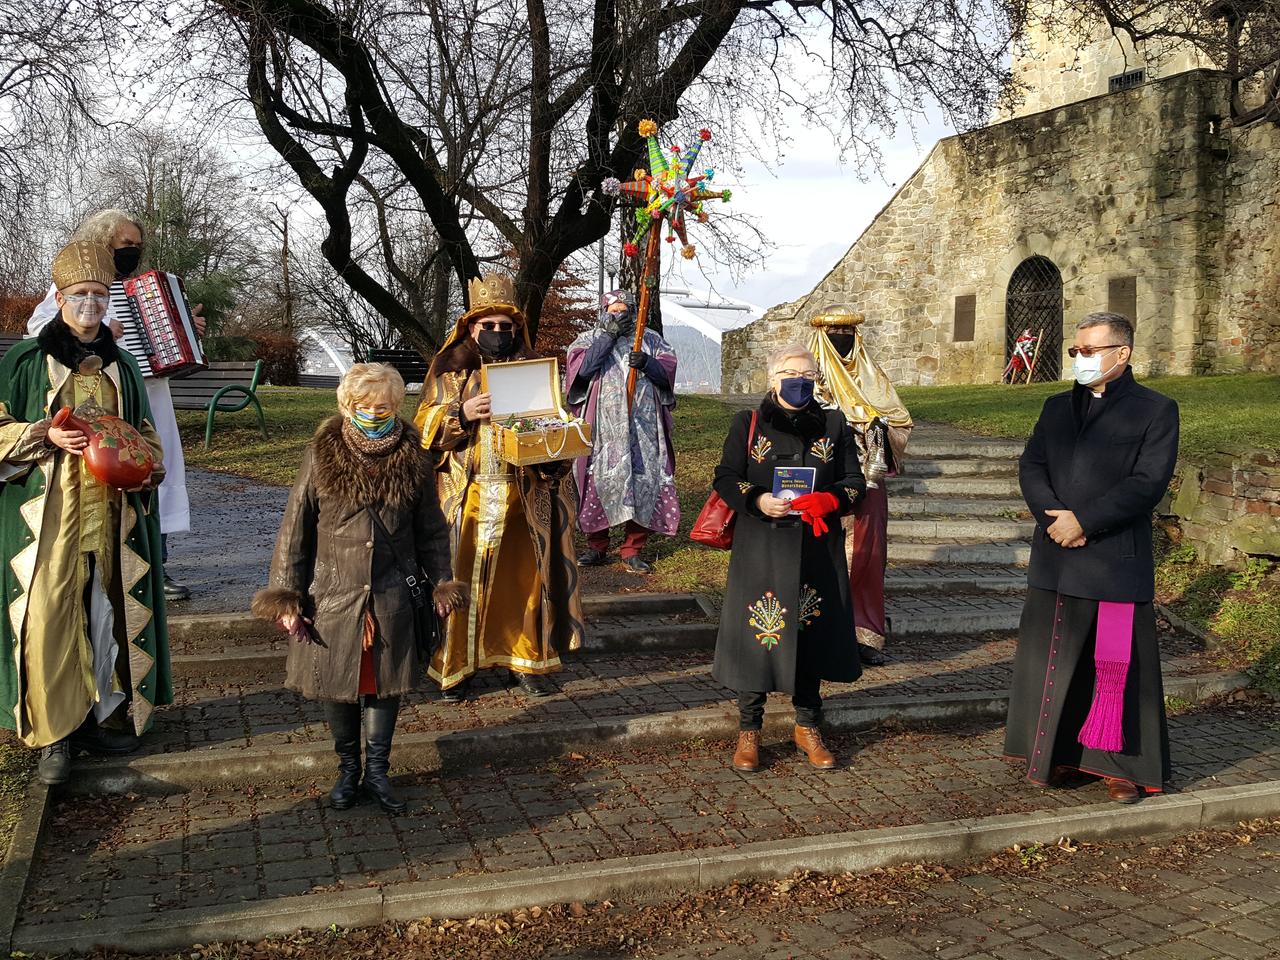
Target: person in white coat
(125, 236)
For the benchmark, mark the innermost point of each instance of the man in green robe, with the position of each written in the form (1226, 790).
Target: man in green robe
(84, 639)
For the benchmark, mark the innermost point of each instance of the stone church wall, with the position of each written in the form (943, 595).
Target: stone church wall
(1248, 324)
(1138, 184)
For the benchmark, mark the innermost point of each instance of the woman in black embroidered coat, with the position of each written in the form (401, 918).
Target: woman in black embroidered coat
(787, 624)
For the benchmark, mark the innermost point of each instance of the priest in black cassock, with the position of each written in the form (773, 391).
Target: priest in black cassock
(1087, 694)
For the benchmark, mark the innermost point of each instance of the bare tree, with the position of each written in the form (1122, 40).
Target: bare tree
(202, 221)
(501, 119)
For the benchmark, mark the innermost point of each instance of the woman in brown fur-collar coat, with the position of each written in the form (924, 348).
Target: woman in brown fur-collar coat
(338, 578)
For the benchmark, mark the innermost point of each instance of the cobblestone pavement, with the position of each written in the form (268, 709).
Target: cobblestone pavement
(221, 713)
(1217, 903)
(118, 856)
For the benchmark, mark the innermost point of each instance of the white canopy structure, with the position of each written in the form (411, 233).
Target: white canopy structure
(693, 322)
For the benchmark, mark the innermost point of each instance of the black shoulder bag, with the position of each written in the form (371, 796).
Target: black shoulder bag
(428, 630)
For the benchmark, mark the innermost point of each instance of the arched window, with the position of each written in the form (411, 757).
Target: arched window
(1034, 302)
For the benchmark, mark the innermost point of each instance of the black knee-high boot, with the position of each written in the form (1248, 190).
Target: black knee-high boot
(344, 722)
(379, 728)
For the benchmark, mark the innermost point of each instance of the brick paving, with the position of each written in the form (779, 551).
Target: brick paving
(1222, 903)
(121, 856)
(222, 713)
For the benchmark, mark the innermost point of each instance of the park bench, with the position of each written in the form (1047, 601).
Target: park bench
(326, 381)
(225, 385)
(408, 363)
(7, 340)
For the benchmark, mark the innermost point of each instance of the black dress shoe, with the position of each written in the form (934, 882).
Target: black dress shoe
(103, 741)
(54, 766)
(592, 558)
(174, 590)
(870, 656)
(458, 692)
(636, 565)
(534, 685)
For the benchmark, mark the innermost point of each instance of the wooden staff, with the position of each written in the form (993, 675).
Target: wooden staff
(1034, 357)
(647, 278)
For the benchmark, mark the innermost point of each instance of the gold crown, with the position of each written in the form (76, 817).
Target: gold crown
(837, 315)
(492, 293)
(80, 261)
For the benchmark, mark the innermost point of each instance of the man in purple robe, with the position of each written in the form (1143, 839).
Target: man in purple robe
(629, 479)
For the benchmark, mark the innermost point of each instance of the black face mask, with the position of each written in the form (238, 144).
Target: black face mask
(843, 342)
(496, 343)
(127, 260)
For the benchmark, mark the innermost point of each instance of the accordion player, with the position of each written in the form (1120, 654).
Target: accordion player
(158, 328)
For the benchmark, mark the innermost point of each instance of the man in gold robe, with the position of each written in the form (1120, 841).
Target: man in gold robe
(83, 632)
(511, 528)
(856, 385)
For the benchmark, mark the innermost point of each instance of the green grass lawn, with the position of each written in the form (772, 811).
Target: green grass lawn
(1241, 409)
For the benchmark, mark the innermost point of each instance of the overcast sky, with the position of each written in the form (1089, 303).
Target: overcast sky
(812, 207)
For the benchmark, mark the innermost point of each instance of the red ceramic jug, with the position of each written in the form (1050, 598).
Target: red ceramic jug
(117, 455)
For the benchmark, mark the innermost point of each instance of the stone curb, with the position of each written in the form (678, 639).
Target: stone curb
(20, 856)
(184, 770)
(240, 623)
(662, 874)
(255, 662)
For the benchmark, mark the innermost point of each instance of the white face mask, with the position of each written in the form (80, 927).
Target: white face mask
(1088, 370)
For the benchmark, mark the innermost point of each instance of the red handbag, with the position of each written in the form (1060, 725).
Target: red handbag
(714, 526)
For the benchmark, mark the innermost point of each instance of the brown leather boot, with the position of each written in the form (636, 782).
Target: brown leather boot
(746, 759)
(809, 742)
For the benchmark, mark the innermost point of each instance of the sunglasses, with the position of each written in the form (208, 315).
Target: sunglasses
(78, 300)
(1074, 352)
(494, 325)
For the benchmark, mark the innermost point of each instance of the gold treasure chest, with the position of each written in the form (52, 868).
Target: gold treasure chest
(530, 423)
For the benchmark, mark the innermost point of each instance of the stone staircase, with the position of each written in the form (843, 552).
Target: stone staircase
(957, 526)
(620, 784)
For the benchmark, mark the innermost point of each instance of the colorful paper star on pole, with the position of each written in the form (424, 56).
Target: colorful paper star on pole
(671, 189)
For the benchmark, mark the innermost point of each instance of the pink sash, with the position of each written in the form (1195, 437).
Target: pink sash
(1104, 727)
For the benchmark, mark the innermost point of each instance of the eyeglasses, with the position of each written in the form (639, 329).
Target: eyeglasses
(805, 374)
(79, 300)
(492, 325)
(1074, 352)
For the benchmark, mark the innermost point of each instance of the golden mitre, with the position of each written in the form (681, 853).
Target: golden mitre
(491, 293)
(837, 315)
(81, 261)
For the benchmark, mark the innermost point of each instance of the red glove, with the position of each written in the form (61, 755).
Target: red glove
(813, 507)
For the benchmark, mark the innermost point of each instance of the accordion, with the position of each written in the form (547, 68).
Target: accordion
(158, 330)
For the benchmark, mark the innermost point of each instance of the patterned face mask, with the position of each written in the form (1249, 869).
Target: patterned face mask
(373, 427)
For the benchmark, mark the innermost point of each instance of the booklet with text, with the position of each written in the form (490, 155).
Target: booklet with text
(792, 482)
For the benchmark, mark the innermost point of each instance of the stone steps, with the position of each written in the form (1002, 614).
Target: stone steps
(254, 732)
(967, 603)
(963, 552)
(947, 486)
(927, 579)
(962, 528)
(617, 819)
(992, 448)
(959, 467)
(911, 505)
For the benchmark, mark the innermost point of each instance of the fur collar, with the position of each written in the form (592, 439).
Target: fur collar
(810, 422)
(57, 340)
(463, 356)
(392, 480)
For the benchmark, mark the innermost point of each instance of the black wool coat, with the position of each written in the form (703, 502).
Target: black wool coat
(788, 591)
(1109, 460)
